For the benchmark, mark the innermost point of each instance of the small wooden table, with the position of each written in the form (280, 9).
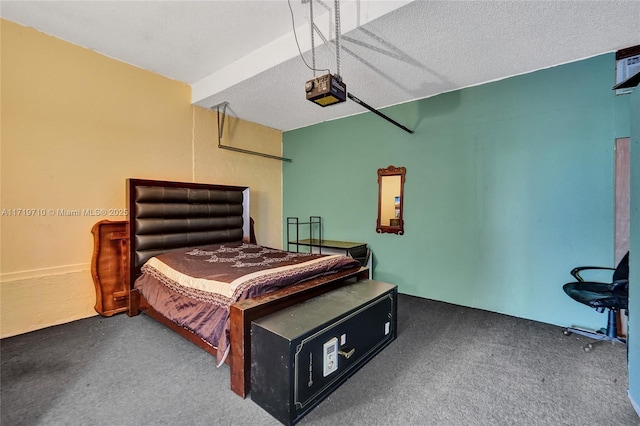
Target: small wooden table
(108, 266)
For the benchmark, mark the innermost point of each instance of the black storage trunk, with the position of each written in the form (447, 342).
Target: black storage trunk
(303, 353)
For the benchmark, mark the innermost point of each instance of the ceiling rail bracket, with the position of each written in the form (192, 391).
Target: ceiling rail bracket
(221, 117)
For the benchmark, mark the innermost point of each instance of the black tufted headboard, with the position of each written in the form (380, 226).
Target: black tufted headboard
(165, 216)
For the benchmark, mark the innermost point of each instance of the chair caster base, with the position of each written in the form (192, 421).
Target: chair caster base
(599, 336)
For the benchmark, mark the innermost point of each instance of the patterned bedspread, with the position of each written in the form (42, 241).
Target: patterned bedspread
(195, 287)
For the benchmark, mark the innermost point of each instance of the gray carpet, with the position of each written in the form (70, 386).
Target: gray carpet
(450, 365)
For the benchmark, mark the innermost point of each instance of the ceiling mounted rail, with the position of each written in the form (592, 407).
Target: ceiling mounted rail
(223, 105)
(378, 113)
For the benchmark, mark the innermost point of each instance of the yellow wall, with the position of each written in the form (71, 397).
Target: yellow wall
(74, 125)
(262, 175)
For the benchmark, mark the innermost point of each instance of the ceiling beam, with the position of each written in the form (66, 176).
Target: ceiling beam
(352, 15)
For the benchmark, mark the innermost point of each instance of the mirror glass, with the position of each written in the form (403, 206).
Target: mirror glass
(390, 200)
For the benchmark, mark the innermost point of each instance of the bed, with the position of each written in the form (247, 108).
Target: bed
(178, 231)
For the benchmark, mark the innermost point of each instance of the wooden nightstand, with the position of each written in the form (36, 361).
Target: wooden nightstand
(109, 266)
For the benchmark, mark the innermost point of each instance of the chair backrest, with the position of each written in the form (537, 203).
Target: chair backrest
(361, 254)
(622, 270)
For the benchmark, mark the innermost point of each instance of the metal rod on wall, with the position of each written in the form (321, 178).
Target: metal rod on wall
(232, 148)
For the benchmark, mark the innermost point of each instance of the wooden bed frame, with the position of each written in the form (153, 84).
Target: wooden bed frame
(241, 313)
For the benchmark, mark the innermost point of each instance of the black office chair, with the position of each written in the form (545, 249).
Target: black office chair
(361, 254)
(613, 296)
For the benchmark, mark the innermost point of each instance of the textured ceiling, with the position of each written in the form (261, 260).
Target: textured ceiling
(244, 52)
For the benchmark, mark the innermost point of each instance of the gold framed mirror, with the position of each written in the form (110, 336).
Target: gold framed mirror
(391, 200)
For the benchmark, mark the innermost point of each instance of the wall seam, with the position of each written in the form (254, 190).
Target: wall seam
(193, 143)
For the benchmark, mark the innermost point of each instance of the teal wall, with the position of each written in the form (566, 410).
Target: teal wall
(509, 186)
(634, 255)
